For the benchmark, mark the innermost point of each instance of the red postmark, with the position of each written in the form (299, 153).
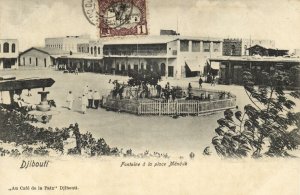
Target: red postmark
(122, 17)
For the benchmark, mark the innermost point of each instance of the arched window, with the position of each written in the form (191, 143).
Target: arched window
(99, 50)
(91, 50)
(5, 48)
(95, 50)
(13, 48)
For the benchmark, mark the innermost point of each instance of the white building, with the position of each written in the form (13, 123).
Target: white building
(68, 43)
(171, 56)
(38, 57)
(9, 52)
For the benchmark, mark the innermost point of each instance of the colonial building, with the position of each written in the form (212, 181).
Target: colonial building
(171, 56)
(9, 52)
(88, 58)
(68, 43)
(40, 56)
(239, 47)
(232, 68)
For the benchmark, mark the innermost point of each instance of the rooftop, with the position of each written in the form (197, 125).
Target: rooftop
(47, 50)
(160, 39)
(265, 46)
(255, 59)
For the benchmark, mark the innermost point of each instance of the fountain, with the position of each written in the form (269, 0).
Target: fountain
(43, 112)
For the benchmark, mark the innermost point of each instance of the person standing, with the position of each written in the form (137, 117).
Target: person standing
(90, 99)
(70, 100)
(86, 90)
(213, 81)
(84, 103)
(158, 88)
(96, 98)
(190, 90)
(29, 93)
(76, 71)
(200, 83)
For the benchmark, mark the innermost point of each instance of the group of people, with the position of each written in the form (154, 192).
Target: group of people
(89, 100)
(118, 88)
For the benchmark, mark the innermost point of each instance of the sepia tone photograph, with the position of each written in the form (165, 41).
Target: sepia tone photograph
(150, 97)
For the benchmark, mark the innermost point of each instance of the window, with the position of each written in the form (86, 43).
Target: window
(195, 46)
(184, 45)
(216, 46)
(95, 50)
(91, 50)
(232, 51)
(5, 48)
(206, 46)
(98, 50)
(23, 61)
(13, 48)
(0, 48)
(88, 50)
(29, 60)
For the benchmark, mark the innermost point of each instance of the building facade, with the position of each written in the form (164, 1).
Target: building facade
(9, 52)
(38, 57)
(170, 56)
(240, 47)
(68, 43)
(232, 68)
(88, 58)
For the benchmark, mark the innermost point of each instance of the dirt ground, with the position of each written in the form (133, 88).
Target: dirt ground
(162, 134)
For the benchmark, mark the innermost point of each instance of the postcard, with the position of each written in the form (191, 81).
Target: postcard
(149, 97)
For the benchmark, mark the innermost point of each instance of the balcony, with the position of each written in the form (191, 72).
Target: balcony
(139, 53)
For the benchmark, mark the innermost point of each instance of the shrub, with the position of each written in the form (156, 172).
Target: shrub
(268, 126)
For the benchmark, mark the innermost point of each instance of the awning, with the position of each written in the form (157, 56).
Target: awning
(215, 65)
(193, 65)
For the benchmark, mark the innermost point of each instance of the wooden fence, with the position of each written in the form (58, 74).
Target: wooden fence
(177, 107)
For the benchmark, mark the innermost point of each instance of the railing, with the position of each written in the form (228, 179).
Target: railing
(137, 53)
(177, 107)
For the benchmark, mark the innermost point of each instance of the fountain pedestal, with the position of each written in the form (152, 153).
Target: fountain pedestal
(43, 106)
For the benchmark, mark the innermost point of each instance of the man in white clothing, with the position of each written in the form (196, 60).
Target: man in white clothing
(90, 99)
(84, 103)
(70, 100)
(96, 98)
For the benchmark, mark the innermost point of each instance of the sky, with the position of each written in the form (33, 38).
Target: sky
(30, 21)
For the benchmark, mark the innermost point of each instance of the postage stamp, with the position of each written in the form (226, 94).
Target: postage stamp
(122, 17)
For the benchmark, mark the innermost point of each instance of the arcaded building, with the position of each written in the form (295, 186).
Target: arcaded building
(9, 52)
(171, 56)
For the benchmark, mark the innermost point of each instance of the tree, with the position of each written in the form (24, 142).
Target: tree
(268, 126)
(145, 77)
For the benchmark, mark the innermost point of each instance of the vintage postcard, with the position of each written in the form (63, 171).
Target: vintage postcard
(150, 97)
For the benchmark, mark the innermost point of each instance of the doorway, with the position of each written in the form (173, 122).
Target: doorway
(170, 71)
